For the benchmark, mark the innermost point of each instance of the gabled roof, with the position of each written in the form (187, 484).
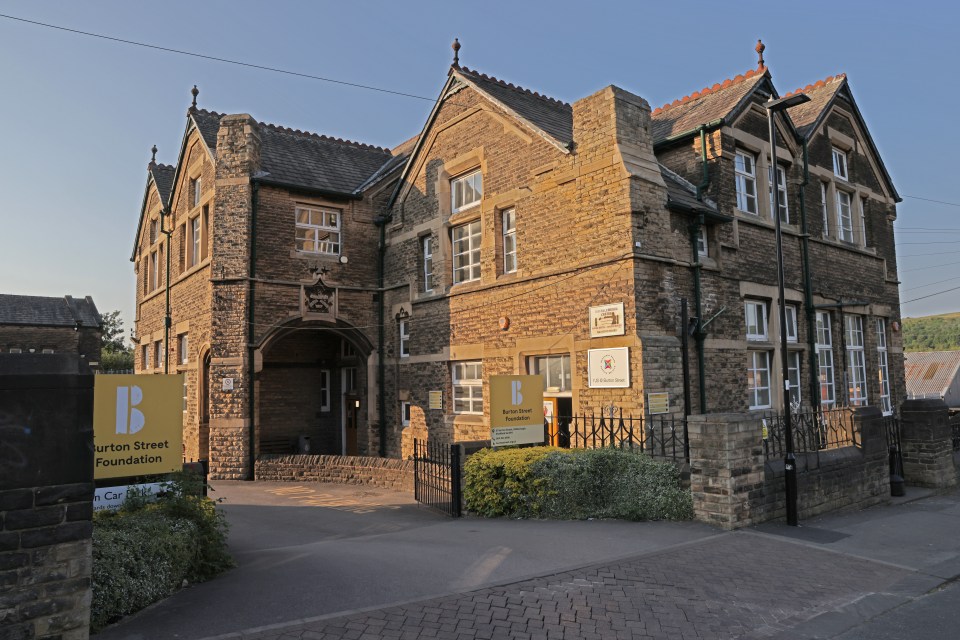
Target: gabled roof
(930, 373)
(545, 114)
(721, 102)
(162, 175)
(208, 124)
(682, 197)
(48, 312)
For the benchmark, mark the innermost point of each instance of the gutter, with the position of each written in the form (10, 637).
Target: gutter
(670, 141)
(381, 222)
(813, 358)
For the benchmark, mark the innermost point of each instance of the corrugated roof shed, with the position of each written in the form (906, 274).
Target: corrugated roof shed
(930, 373)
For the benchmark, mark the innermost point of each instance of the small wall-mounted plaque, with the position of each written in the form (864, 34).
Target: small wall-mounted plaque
(436, 399)
(227, 384)
(658, 403)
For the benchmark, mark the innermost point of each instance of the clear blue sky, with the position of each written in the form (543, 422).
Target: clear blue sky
(80, 114)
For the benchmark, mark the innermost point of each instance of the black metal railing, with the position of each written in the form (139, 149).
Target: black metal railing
(658, 435)
(813, 431)
(891, 430)
(955, 431)
(437, 476)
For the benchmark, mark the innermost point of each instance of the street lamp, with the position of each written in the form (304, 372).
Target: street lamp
(789, 460)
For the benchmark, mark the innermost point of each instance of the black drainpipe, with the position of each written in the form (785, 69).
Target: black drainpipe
(251, 333)
(700, 335)
(813, 360)
(381, 222)
(165, 213)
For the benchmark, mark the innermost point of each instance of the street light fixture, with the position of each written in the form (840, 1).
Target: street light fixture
(789, 459)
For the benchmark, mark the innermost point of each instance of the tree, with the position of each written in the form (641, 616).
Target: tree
(115, 352)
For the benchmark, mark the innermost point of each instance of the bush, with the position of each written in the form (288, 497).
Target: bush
(544, 482)
(143, 552)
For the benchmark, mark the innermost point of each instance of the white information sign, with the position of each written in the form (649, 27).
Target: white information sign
(608, 368)
(112, 498)
(606, 320)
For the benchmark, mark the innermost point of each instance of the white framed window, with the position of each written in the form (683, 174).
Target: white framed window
(193, 254)
(555, 370)
(793, 375)
(844, 217)
(154, 270)
(318, 230)
(863, 222)
(145, 356)
(840, 164)
(825, 359)
(154, 231)
(856, 363)
(883, 369)
(349, 376)
(756, 319)
(466, 252)
(823, 209)
(195, 191)
(405, 413)
(746, 176)
(324, 390)
(703, 249)
(347, 350)
(182, 344)
(468, 387)
(782, 193)
(466, 191)
(509, 219)
(791, 316)
(404, 327)
(427, 249)
(158, 353)
(758, 380)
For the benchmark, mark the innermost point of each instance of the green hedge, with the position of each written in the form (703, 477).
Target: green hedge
(143, 552)
(564, 484)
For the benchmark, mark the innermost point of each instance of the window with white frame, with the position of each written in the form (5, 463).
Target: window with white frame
(555, 370)
(825, 358)
(844, 217)
(405, 413)
(154, 231)
(703, 249)
(793, 375)
(404, 338)
(756, 319)
(746, 178)
(154, 270)
(145, 356)
(790, 312)
(840, 164)
(158, 353)
(781, 194)
(194, 251)
(466, 252)
(427, 249)
(466, 191)
(823, 209)
(758, 380)
(318, 230)
(182, 344)
(883, 369)
(863, 222)
(195, 191)
(509, 219)
(349, 376)
(324, 390)
(468, 387)
(856, 362)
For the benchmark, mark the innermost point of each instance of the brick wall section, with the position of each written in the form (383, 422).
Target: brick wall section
(85, 341)
(926, 444)
(45, 562)
(386, 473)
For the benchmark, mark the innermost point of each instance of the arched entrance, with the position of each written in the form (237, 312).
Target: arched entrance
(311, 390)
(203, 406)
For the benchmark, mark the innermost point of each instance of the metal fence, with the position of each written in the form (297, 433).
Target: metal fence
(437, 476)
(662, 436)
(813, 431)
(955, 431)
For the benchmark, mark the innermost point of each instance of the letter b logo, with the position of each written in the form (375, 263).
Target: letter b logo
(129, 420)
(515, 396)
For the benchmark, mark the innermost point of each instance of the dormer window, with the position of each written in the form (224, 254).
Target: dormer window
(195, 191)
(840, 164)
(466, 191)
(746, 172)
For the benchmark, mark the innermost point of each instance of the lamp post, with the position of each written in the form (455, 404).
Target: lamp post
(789, 459)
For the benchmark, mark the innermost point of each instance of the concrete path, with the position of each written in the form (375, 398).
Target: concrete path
(322, 561)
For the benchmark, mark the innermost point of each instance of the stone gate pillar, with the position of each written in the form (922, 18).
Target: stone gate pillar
(926, 443)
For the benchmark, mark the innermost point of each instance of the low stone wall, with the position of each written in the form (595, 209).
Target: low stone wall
(386, 473)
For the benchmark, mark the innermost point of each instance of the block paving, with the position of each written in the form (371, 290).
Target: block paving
(741, 585)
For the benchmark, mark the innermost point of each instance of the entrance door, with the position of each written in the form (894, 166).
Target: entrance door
(351, 423)
(203, 380)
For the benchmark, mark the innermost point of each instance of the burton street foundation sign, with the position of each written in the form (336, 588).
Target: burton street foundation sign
(137, 425)
(516, 410)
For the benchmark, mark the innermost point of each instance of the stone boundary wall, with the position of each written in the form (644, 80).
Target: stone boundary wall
(386, 473)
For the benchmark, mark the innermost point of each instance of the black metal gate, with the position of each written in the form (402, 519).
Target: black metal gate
(892, 432)
(436, 476)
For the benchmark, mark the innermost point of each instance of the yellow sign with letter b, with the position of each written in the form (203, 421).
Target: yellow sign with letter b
(516, 410)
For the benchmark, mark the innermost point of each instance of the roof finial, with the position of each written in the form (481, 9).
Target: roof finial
(456, 52)
(760, 48)
(153, 158)
(195, 92)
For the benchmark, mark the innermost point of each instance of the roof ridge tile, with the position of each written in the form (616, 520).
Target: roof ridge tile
(322, 137)
(818, 84)
(761, 70)
(509, 85)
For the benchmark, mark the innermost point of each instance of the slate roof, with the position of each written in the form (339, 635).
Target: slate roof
(683, 194)
(163, 177)
(806, 115)
(930, 373)
(702, 107)
(48, 312)
(553, 117)
(208, 123)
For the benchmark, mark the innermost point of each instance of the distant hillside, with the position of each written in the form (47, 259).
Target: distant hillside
(932, 333)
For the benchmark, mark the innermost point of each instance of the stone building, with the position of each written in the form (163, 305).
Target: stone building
(38, 324)
(358, 296)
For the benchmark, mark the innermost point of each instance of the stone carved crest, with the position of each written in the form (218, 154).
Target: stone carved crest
(318, 298)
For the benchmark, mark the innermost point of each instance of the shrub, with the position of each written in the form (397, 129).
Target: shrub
(544, 482)
(143, 552)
